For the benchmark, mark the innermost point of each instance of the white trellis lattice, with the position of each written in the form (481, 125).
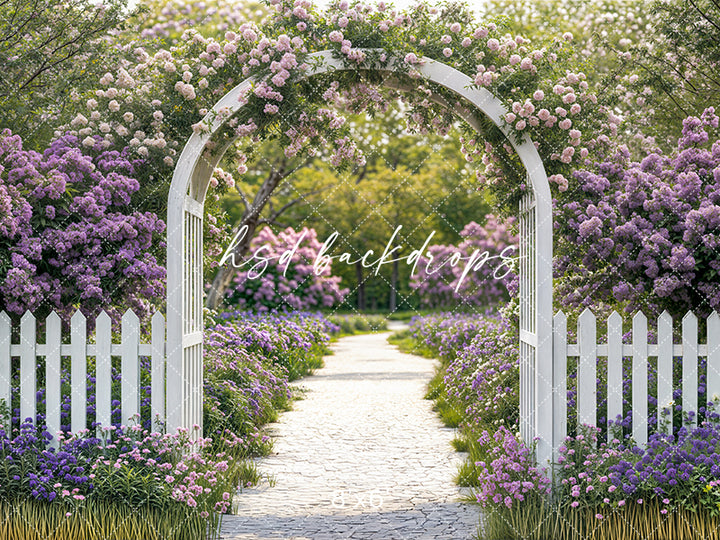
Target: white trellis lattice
(184, 258)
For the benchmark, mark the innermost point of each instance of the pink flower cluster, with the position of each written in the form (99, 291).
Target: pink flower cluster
(509, 476)
(280, 274)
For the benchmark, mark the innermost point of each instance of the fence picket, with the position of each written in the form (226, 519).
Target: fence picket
(665, 369)
(614, 366)
(103, 371)
(53, 374)
(586, 397)
(713, 359)
(130, 382)
(560, 376)
(28, 363)
(5, 365)
(690, 364)
(157, 388)
(639, 378)
(78, 372)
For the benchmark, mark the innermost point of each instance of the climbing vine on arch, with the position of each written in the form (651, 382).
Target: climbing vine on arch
(157, 96)
(548, 100)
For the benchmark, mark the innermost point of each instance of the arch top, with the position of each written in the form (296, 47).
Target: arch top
(193, 167)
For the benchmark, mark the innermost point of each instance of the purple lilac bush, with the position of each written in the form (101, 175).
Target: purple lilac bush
(446, 287)
(646, 233)
(270, 281)
(69, 234)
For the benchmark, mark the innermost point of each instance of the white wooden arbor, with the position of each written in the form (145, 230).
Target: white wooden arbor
(185, 262)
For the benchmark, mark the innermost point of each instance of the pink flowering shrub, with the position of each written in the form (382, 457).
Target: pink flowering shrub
(69, 233)
(269, 280)
(646, 234)
(440, 284)
(508, 475)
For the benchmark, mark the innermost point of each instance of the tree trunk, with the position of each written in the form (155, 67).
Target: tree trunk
(360, 287)
(250, 219)
(226, 272)
(393, 285)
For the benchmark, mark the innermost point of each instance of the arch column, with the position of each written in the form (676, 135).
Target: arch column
(185, 261)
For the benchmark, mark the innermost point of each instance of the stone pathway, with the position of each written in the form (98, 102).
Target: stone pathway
(361, 456)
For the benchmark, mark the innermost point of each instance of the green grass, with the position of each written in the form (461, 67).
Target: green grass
(537, 520)
(404, 341)
(29, 519)
(248, 473)
(358, 323)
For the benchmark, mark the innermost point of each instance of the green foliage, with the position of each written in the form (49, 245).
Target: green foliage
(49, 52)
(358, 323)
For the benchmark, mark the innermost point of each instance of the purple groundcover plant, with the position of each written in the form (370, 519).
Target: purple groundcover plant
(484, 376)
(508, 475)
(446, 334)
(677, 470)
(249, 359)
(68, 233)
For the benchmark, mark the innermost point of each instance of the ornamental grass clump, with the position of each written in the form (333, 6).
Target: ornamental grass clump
(129, 484)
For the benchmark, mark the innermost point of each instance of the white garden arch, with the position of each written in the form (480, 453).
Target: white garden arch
(185, 261)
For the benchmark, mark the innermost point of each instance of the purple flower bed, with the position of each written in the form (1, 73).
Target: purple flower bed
(445, 334)
(507, 475)
(134, 466)
(682, 469)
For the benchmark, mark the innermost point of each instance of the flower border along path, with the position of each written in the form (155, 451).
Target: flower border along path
(361, 456)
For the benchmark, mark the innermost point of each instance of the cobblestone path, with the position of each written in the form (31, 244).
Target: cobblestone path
(361, 456)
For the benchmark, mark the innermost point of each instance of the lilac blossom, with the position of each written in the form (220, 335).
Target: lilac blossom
(70, 234)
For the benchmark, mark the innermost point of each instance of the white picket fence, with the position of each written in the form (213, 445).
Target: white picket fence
(587, 351)
(130, 349)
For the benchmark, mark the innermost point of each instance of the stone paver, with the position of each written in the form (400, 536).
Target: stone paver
(361, 456)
